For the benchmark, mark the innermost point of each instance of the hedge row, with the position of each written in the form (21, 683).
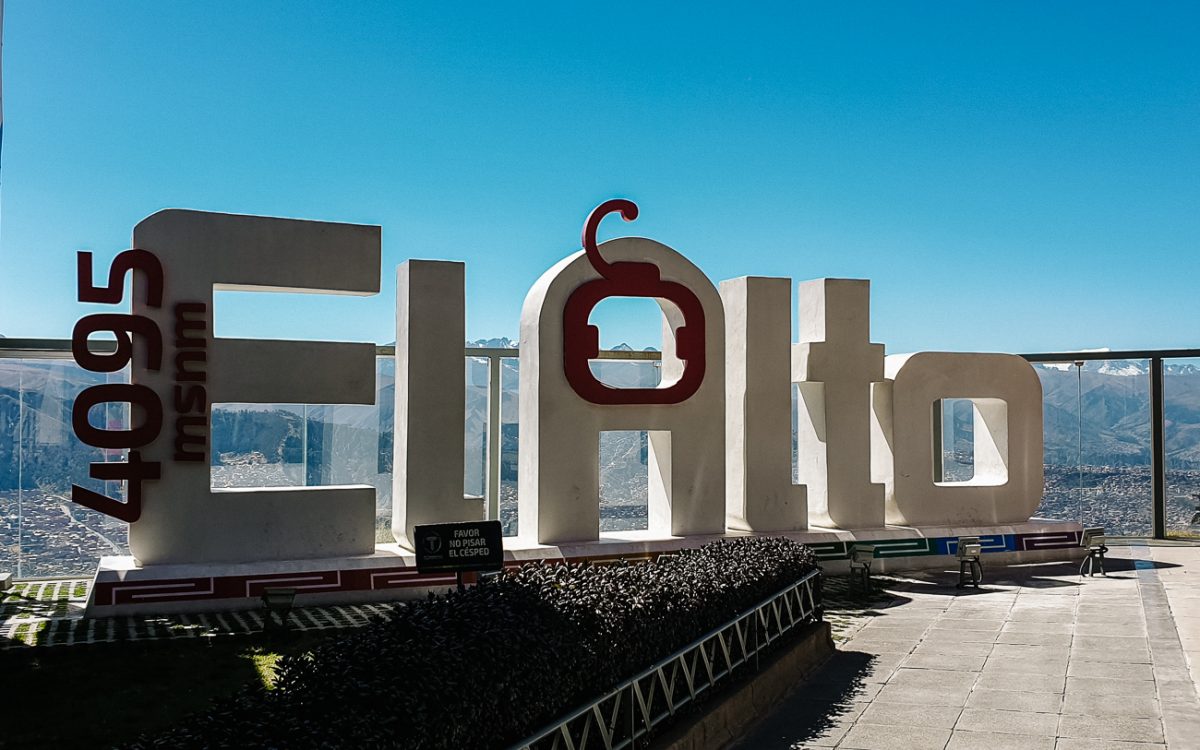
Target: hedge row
(489, 666)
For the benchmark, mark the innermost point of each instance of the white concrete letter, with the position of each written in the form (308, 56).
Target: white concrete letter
(835, 364)
(427, 480)
(560, 431)
(183, 520)
(1008, 481)
(760, 495)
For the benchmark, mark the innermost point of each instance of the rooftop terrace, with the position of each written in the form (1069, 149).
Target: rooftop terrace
(1039, 659)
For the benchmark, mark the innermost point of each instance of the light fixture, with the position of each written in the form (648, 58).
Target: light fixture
(278, 602)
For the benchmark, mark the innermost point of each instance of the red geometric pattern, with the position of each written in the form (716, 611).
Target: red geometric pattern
(108, 593)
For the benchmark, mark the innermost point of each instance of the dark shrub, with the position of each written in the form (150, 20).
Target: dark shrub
(489, 666)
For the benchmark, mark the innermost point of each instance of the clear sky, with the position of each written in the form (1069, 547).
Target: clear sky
(1012, 176)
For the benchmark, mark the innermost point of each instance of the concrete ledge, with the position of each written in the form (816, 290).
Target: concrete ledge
(122, 586)
(744, 704)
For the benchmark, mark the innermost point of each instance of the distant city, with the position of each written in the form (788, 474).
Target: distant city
(43, 534)
(60, 538)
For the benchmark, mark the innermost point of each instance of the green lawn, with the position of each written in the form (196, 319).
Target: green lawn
(97, 695)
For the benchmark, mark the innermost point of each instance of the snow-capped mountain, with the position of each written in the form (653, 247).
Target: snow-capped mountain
(503, 342)
(1121, 367)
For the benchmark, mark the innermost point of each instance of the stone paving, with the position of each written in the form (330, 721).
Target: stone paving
(1039, 658)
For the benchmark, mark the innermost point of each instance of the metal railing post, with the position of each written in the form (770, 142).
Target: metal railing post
(939, 442)
(1158, 453)
(494, 436)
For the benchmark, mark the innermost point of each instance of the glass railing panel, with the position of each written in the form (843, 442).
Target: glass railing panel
(42, 459)
(955, 444)
(343, 447)
(1101, 474)
(617, 373)
(624, 475)
(475, 430)
(385, 409)
(259, 445)
(1097, 444)
(11, 516)
(624, 480)
(1181, 439)
(310, 445)
(510, 376)
(622, 455)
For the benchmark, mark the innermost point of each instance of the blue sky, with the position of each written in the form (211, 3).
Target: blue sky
(1010, 176)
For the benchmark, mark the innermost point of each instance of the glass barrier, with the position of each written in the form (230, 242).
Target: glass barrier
(310, 445)
(43, 532)
(510, 377)
(1181, 440)
(955, 441)
(475, 430)
(1097, 444)
(624, 475)
(624, 480)
(1097, 467)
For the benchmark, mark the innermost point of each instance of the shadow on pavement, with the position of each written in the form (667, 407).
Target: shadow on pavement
(821, 709)
(1046, 576)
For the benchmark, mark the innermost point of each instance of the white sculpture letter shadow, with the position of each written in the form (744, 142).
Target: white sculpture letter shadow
(1008, 480)
(183, 520)
(560, 431)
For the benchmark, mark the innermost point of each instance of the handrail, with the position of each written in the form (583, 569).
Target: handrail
(701, 664)
(36, 348)
(1095, 356)
(47, 348)
(61, 349)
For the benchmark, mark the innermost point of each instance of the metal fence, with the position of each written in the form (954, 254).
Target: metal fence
(635, 708)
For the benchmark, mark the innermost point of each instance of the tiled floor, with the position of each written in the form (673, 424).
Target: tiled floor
(1039, 658)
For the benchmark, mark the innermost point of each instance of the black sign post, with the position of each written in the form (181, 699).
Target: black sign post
(459, 547)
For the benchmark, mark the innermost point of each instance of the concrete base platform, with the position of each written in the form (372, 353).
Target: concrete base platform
(122, 586)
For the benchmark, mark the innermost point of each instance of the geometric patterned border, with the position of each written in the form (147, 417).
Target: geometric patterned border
(110, 592)
(948, 545)
(106, 593)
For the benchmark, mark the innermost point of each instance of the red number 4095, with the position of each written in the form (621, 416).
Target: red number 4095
(145, 405)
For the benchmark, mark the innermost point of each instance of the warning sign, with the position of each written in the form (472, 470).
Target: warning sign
(471, 545)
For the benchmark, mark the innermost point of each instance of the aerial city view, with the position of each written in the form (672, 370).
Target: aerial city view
(47, 535)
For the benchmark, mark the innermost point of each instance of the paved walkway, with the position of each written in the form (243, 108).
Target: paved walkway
(1039, 659)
